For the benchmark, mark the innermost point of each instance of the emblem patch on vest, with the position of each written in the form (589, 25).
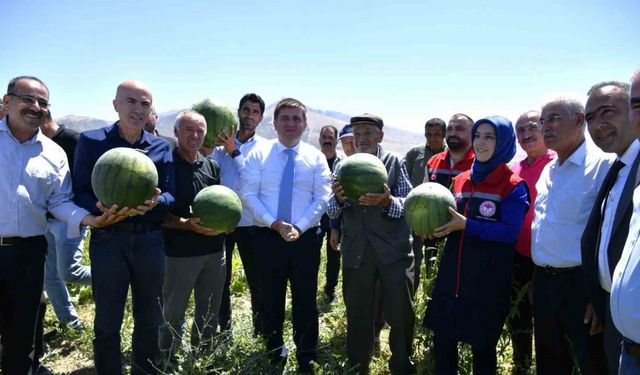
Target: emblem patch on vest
(433, 177)
(487, 208)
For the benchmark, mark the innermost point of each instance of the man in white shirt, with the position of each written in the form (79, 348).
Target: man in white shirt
(607, 115)
(566, 192)
(230, 156)
(625, 286)
(285, 184)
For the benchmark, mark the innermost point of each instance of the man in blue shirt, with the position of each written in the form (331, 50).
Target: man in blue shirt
(130, 252)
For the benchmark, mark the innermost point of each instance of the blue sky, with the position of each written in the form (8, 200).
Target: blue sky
(406, 61)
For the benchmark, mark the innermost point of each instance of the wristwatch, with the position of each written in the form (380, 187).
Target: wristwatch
(235, 153)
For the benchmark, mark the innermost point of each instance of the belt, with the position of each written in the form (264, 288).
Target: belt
(632, 348)
(556, 271)
(11, 241)
(132, 227)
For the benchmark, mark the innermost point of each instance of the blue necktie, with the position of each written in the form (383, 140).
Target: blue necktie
(286, 187)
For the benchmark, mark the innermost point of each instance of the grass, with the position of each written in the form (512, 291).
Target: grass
(241, 353)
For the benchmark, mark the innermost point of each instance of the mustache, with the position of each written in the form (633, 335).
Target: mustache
(327, 144)
(32, 112)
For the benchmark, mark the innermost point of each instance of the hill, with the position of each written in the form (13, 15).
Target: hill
(395, 139)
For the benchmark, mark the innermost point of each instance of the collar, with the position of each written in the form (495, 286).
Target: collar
(630, 154)
(4, 127)
(578, 156)
(496, 175)
(280, 147)
(468, 156)
(144, 140)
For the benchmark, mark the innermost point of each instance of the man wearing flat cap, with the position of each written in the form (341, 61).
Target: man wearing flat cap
(376, 244)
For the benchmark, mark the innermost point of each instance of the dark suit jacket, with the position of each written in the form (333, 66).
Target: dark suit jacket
(598, 296)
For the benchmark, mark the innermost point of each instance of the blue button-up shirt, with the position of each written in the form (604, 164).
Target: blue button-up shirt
(35, 179)
(230, 170)
(93, 143)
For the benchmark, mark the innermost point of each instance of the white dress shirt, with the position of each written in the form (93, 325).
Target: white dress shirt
(566, 193)
(230, 170)
(35, 179)
(625, 289)
(260, 184)
(608, 216)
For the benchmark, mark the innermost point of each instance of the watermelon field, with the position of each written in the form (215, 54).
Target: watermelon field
(70, 352)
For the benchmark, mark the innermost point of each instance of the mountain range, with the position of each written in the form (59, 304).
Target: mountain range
(395, 139)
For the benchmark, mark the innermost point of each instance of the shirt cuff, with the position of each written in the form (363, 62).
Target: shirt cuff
(395, 209)
(73, 225)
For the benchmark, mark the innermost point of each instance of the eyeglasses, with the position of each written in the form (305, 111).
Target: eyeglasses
(553, 119)
(31, 100)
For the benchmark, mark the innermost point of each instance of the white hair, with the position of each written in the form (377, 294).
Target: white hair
(192, 115)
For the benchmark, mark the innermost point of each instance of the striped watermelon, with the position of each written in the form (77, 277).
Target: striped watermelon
(218, 208)
(426, 207)
(360, 174)
(218, 119)
(124, 176)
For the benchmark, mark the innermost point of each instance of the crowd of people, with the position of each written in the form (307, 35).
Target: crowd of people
(552, 238)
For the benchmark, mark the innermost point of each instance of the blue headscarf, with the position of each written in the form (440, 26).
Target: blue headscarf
(505, 147)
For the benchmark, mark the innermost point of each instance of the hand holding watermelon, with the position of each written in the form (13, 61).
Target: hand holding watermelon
(377, 199)
(458, 222)
(193, 224)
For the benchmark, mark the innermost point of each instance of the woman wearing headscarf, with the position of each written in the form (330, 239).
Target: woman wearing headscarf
(471, 298)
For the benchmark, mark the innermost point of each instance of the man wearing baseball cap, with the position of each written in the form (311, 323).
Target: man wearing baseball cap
(376, 244)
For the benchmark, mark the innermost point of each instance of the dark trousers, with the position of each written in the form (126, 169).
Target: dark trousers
(332, 270)
(21, 282)
(119, 259)
(397, 289)
(559, 304)
(521, 324)
(295, 262)
(244, 238)
(446, 355)
(418, 254)
(612, 339)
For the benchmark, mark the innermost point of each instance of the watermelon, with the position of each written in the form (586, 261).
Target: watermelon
(426, 207)
(124, 176)
(218, 208)
(360, 174)
(218, 119)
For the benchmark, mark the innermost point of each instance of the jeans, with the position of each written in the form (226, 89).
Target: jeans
(204, 275)
(629, 364)
(64, 263)
(120, 258)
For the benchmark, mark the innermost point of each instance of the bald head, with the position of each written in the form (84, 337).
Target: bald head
(133, 85)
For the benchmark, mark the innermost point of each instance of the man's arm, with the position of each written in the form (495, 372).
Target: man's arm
(82, 168)
(166, 180)
(250, 176)
(321, 194)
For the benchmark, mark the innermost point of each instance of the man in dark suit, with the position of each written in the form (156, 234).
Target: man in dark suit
(607, 115)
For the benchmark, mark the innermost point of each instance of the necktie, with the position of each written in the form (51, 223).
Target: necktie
(286, 187)
(609, 182)
(607, 185)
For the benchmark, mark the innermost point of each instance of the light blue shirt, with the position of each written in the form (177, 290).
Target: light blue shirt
(625, 288)
(566, 193)
(230, 170)
(260, 181)
(35, 179)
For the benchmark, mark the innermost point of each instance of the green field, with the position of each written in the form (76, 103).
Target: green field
(71, 352)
